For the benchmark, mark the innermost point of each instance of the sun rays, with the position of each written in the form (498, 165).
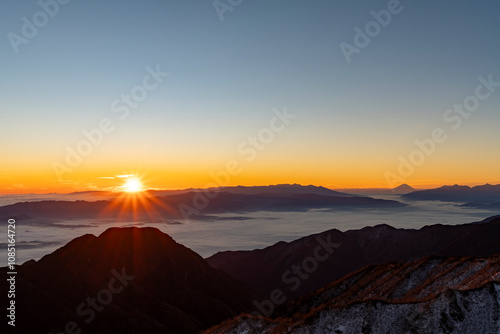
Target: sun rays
(136, 203)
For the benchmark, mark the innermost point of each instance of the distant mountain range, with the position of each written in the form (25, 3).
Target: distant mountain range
(273, 267)
(198, 204)
(438, 295)
(155, 284)
(202, 202)
(481, 197)
(242, 190)
(281, 189)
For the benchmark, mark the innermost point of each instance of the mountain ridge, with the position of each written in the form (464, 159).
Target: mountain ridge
(187, 205)
(263, 268)
(456, 193)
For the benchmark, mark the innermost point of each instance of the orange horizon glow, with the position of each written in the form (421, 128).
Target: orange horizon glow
(136, 184)
(354, 163)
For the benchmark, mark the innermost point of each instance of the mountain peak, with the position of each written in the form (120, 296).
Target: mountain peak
(183, 292)
(135, 234)
(403, 189)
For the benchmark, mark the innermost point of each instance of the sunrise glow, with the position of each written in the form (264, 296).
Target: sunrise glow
(133, 185)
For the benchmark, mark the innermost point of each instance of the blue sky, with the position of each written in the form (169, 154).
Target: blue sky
(226, 77)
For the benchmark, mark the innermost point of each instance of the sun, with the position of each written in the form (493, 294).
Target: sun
(132, 185)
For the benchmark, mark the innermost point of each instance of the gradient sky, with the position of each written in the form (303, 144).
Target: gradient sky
(353, 120)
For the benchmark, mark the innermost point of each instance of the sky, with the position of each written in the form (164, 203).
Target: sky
(201, 93)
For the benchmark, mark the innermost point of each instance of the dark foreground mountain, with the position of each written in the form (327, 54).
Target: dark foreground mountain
(435, 295)
(197, 204)
(126, 280)
(307, 264)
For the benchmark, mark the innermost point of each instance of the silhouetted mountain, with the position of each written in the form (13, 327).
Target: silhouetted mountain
(333, 254)
(126, 280)
(480, 195)
(284, 189)
(400, 190)
(243, 190)
(192, 205)
(403, 189)
(429, 295)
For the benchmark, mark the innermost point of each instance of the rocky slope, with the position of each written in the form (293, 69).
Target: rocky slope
(431, 295)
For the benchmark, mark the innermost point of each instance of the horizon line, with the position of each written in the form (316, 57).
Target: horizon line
(416, 188)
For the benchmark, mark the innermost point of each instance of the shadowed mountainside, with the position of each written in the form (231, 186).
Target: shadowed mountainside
(155, 285)
(285, 265)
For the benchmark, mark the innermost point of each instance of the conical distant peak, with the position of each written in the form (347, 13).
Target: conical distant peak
(404, 186)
